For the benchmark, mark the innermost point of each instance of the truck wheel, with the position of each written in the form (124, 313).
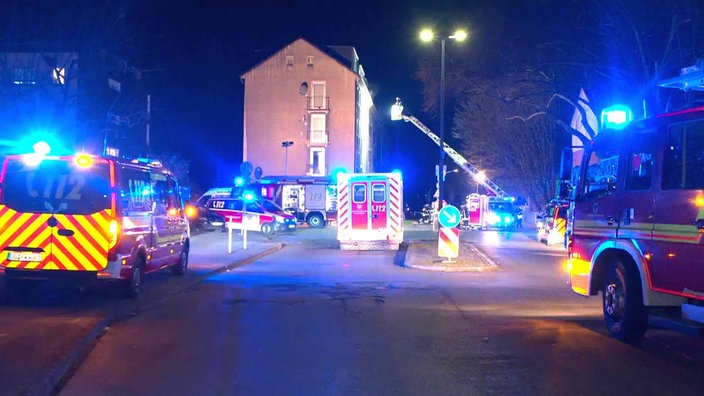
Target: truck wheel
(316, 220)
(182, 265)
(268, 229)
(625, 315)
(133, 285)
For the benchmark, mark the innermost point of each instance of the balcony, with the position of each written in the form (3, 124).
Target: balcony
(318, 103)
(318, 138)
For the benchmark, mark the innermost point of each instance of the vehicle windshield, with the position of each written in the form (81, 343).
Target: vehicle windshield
(501, 207)
(271, 206)
(56, 186)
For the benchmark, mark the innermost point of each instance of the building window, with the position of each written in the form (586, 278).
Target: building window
(317, 161)
(309, 60)
(317, 129)
(58, 76)
(23, 75)
(289, 60)
(318, 95)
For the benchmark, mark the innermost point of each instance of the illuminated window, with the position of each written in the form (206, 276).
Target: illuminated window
(23, 75)
(58, 75)
(318, 94)
(317, 161)
(309, 61)
(317, 129)
(289, 60)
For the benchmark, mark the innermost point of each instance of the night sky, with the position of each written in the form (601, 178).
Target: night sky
(206, 47)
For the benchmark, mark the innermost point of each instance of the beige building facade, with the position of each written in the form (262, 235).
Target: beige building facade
(308, 111)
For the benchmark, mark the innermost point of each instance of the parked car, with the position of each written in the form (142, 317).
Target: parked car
(258, 215)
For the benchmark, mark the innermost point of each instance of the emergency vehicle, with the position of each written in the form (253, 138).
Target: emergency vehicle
(552, 223)
(84, 216)
(638, 220)
(370, 211)
(250, 214)
(311, 199)
(474, 212)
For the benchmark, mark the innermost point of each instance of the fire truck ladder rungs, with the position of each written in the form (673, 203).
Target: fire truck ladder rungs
(459, 159)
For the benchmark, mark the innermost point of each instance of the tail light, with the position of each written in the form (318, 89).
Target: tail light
(114, 233)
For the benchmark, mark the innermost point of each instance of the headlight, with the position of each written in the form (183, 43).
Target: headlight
(278, 218)
(492, 218)
(508, 219)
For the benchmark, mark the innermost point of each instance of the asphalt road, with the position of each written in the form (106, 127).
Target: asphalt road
(311, 319)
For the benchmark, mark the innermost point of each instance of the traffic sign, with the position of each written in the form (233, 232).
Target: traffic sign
(449, 242)
(449, 216)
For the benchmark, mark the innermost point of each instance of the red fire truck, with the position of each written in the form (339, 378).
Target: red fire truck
(370, 211)
(311, 199)
(637, 229)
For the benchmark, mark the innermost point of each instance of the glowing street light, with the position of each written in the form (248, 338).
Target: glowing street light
(428, 35)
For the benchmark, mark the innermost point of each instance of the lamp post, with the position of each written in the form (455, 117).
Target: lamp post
(286, 145)
(428, 35)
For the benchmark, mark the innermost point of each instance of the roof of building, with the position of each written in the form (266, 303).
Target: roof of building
(344, 55)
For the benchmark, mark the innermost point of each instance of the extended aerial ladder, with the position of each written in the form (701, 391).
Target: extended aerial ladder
(459, 159)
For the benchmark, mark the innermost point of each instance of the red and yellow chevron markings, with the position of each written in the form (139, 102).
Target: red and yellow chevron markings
(76, 243)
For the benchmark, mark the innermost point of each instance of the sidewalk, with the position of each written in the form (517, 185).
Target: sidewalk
(39, 353)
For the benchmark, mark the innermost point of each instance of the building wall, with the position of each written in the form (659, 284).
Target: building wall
(40, 95)
(275, 110)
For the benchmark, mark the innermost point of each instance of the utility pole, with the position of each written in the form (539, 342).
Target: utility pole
(149, 112)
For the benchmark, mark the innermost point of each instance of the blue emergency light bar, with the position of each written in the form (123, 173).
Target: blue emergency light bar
(616, 117)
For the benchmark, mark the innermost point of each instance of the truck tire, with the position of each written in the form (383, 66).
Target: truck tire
(182, 265)
(316, 220)
(625, 316)
(133, 285)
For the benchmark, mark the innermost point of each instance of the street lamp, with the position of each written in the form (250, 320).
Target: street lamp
(286, 144)
(427, 35)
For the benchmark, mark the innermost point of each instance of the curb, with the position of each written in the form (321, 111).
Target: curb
(60, 373)
(490, 265)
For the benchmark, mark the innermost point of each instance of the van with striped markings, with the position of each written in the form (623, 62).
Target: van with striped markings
(88, 217)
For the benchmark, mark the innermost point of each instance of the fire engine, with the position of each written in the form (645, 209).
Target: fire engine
(638, 220)
(370, 211)
(311, 199)
(552, 223)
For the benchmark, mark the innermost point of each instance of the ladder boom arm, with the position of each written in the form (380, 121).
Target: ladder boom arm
(456, 157)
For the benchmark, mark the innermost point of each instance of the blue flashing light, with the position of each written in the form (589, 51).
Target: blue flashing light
(239, 181)
(41, 148)
(396, 171)
(616, 117)
(249, 196)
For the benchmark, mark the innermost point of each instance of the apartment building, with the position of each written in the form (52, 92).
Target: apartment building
(308, 111)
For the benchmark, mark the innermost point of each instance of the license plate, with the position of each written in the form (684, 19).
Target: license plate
(24, 256)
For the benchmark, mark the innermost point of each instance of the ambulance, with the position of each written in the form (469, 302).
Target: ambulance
(370, 211)
(637, 232)
(86, 217)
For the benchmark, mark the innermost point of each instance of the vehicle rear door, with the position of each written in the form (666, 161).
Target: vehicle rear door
(359, 213)
(379, 204)
(55, 214)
